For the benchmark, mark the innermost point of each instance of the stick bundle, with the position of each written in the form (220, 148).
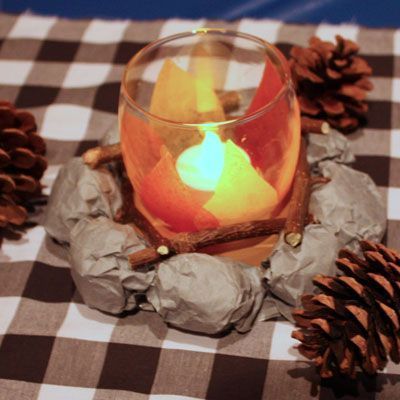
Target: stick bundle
(162, 247)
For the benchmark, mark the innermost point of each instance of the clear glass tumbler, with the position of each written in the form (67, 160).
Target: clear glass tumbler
(210, 129)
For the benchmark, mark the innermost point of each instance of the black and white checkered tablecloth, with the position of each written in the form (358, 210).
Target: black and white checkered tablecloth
(52, 346)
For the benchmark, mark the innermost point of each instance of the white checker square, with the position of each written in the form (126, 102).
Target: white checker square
(282, 344)
(8, 307)
(396, 43)
(85, 75)
(32, 26)
(393, 208)
(265, 29)
(396, 90)
(395, 143)
(240, 76)
(49, 177)
(82, 322)
(174, 26)
(24, 249)
(66, 122)
(328, 32)
(392, 368)
(185, 341)
(55, 392)
(103, 32)
(361, 144)
(14, 72)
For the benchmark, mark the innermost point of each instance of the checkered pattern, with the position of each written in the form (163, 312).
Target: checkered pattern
(52, 346)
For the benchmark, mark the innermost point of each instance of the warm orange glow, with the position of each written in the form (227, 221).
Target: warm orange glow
(241, 194)
(192, 179)
(180, 96)
(165, 195)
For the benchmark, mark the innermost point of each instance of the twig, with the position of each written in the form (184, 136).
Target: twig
(230, 101)
(129, 214)
(102, 154)
(99, 155)
(316, 180)
(310, 125)
(298, 205)
(297, 218)
(192, 242)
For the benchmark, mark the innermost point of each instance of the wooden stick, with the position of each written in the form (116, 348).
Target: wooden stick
(101, 155)
(192, 242)
(298, 205)
(128, 213)
(316, 180)
(230, 101)
(297, 218)
(310, 125)
(104, 154)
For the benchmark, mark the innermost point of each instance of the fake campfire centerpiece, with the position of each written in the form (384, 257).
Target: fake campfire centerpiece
(210, 134)
(209, 154)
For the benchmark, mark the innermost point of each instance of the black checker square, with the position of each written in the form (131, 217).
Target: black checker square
(25, 357)
(382, 65)
(239, 378)
(49, 284)
(107, 96)
(126, 50)
(129, 367)
(36, 96)
(57, 50)
(284, 48)
(377, 167)
(379, 115)
(362, 387)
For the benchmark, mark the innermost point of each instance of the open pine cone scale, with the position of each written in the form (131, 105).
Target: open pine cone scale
(332, 82)
(22, 164)
(355, 320)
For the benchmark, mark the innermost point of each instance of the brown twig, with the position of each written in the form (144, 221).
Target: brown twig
(129, 214)
(102, 154)
(298, 205)
(192, 242)
(293, 226)
(316, 180)
(311, 125)
(99, 155)
(230, 101)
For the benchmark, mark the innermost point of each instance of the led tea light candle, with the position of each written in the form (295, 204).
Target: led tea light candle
(238, 192)
(192, 165)
(200, 166)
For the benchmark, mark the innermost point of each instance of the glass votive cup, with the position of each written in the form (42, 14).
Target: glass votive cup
(210, 130)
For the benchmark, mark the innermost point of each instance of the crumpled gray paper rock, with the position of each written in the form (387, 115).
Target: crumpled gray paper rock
(80, 213)
(199, 292)
(349, 208)
(350, 204)
(207, 294)
(98, 252)
(291, 270)
(334, 146)
(78, 192)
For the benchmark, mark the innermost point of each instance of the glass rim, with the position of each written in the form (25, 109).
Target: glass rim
(287, 82)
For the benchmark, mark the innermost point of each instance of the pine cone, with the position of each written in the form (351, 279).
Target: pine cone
(332, 82)
(354, 322)
(22, 164)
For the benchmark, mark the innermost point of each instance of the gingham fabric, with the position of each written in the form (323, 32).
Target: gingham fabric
(52, 346)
